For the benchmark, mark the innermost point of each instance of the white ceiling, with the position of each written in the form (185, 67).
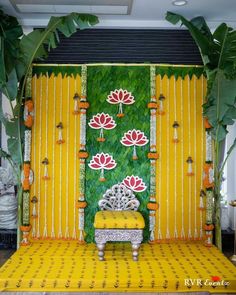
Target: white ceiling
(122, 13)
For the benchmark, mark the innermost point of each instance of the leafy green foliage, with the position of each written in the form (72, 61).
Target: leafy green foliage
(10, 34)
(102, 80)
(218, 52)
(56, 70)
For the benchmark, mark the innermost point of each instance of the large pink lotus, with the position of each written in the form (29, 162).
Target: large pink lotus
(102, 162)
(102, 121)
(120, 97)
(134, 138)
(134, 183)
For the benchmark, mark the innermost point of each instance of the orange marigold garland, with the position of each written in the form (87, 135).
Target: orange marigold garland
(153, 155)
(27, 173)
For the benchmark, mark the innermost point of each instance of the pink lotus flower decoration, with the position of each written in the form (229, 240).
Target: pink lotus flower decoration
(102, 162)
(102, 121)
(134, 183)
(120, 97)
(134, 138)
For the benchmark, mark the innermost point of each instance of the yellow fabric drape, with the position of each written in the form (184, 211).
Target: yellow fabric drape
(61, 190)
(178, 194)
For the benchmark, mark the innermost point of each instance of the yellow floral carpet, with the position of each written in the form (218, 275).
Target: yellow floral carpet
(68, 266)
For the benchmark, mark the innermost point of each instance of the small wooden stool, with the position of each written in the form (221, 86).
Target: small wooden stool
(118, 220)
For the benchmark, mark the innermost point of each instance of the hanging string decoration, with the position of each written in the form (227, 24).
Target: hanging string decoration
(102, 121)
(161, 104)
(45, 162)
(175, 137)
(60, 138)
(134, 138)
(190, 167)
(102, 162)
(76, 104)
(201, 202)
(120, 97)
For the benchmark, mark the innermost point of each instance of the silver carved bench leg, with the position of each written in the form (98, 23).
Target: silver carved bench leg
(135, 248)
(101, 248)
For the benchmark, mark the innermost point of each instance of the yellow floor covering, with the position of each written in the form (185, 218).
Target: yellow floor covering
(68, 266)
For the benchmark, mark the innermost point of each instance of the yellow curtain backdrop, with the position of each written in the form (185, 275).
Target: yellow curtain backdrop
(53, 99)
(178, 194)
(178, 215)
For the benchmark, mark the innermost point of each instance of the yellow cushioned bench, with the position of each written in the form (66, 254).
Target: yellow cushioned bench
(118, 220)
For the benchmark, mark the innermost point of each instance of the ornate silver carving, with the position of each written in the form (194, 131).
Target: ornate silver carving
(135, 236)
(119, 198)
(110, 235)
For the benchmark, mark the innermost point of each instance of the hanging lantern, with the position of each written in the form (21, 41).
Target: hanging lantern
(190, 169)
(201, 203)
(45, 162)
(60, 139)
(34, 201)
(76, 103)
(175, 126)
(161, 107)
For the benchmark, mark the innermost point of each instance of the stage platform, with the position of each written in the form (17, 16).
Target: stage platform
(66, 266)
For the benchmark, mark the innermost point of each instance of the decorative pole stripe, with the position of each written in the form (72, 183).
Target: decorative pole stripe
(175, 165)
(67, 234)
(182, 235)
(83, 105)
(75, 165)
(60, 167)
(53, 158)
(202, 163)
(195, 157)
(34, 216)
(168, 162)
(189, 152)
(45, 231)
(159, 236)
(152, 205)
(40, 155)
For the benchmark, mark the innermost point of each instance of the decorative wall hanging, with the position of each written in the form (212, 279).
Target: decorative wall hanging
(102, 121)
(34, 201)
(134, 138)
(190, 167)
(102, 162)
(201, 203)
(175, 137)
(76, 99)
(60, 138)
(45, 162)
(161, 106)
(135, 183)
(120, 97)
